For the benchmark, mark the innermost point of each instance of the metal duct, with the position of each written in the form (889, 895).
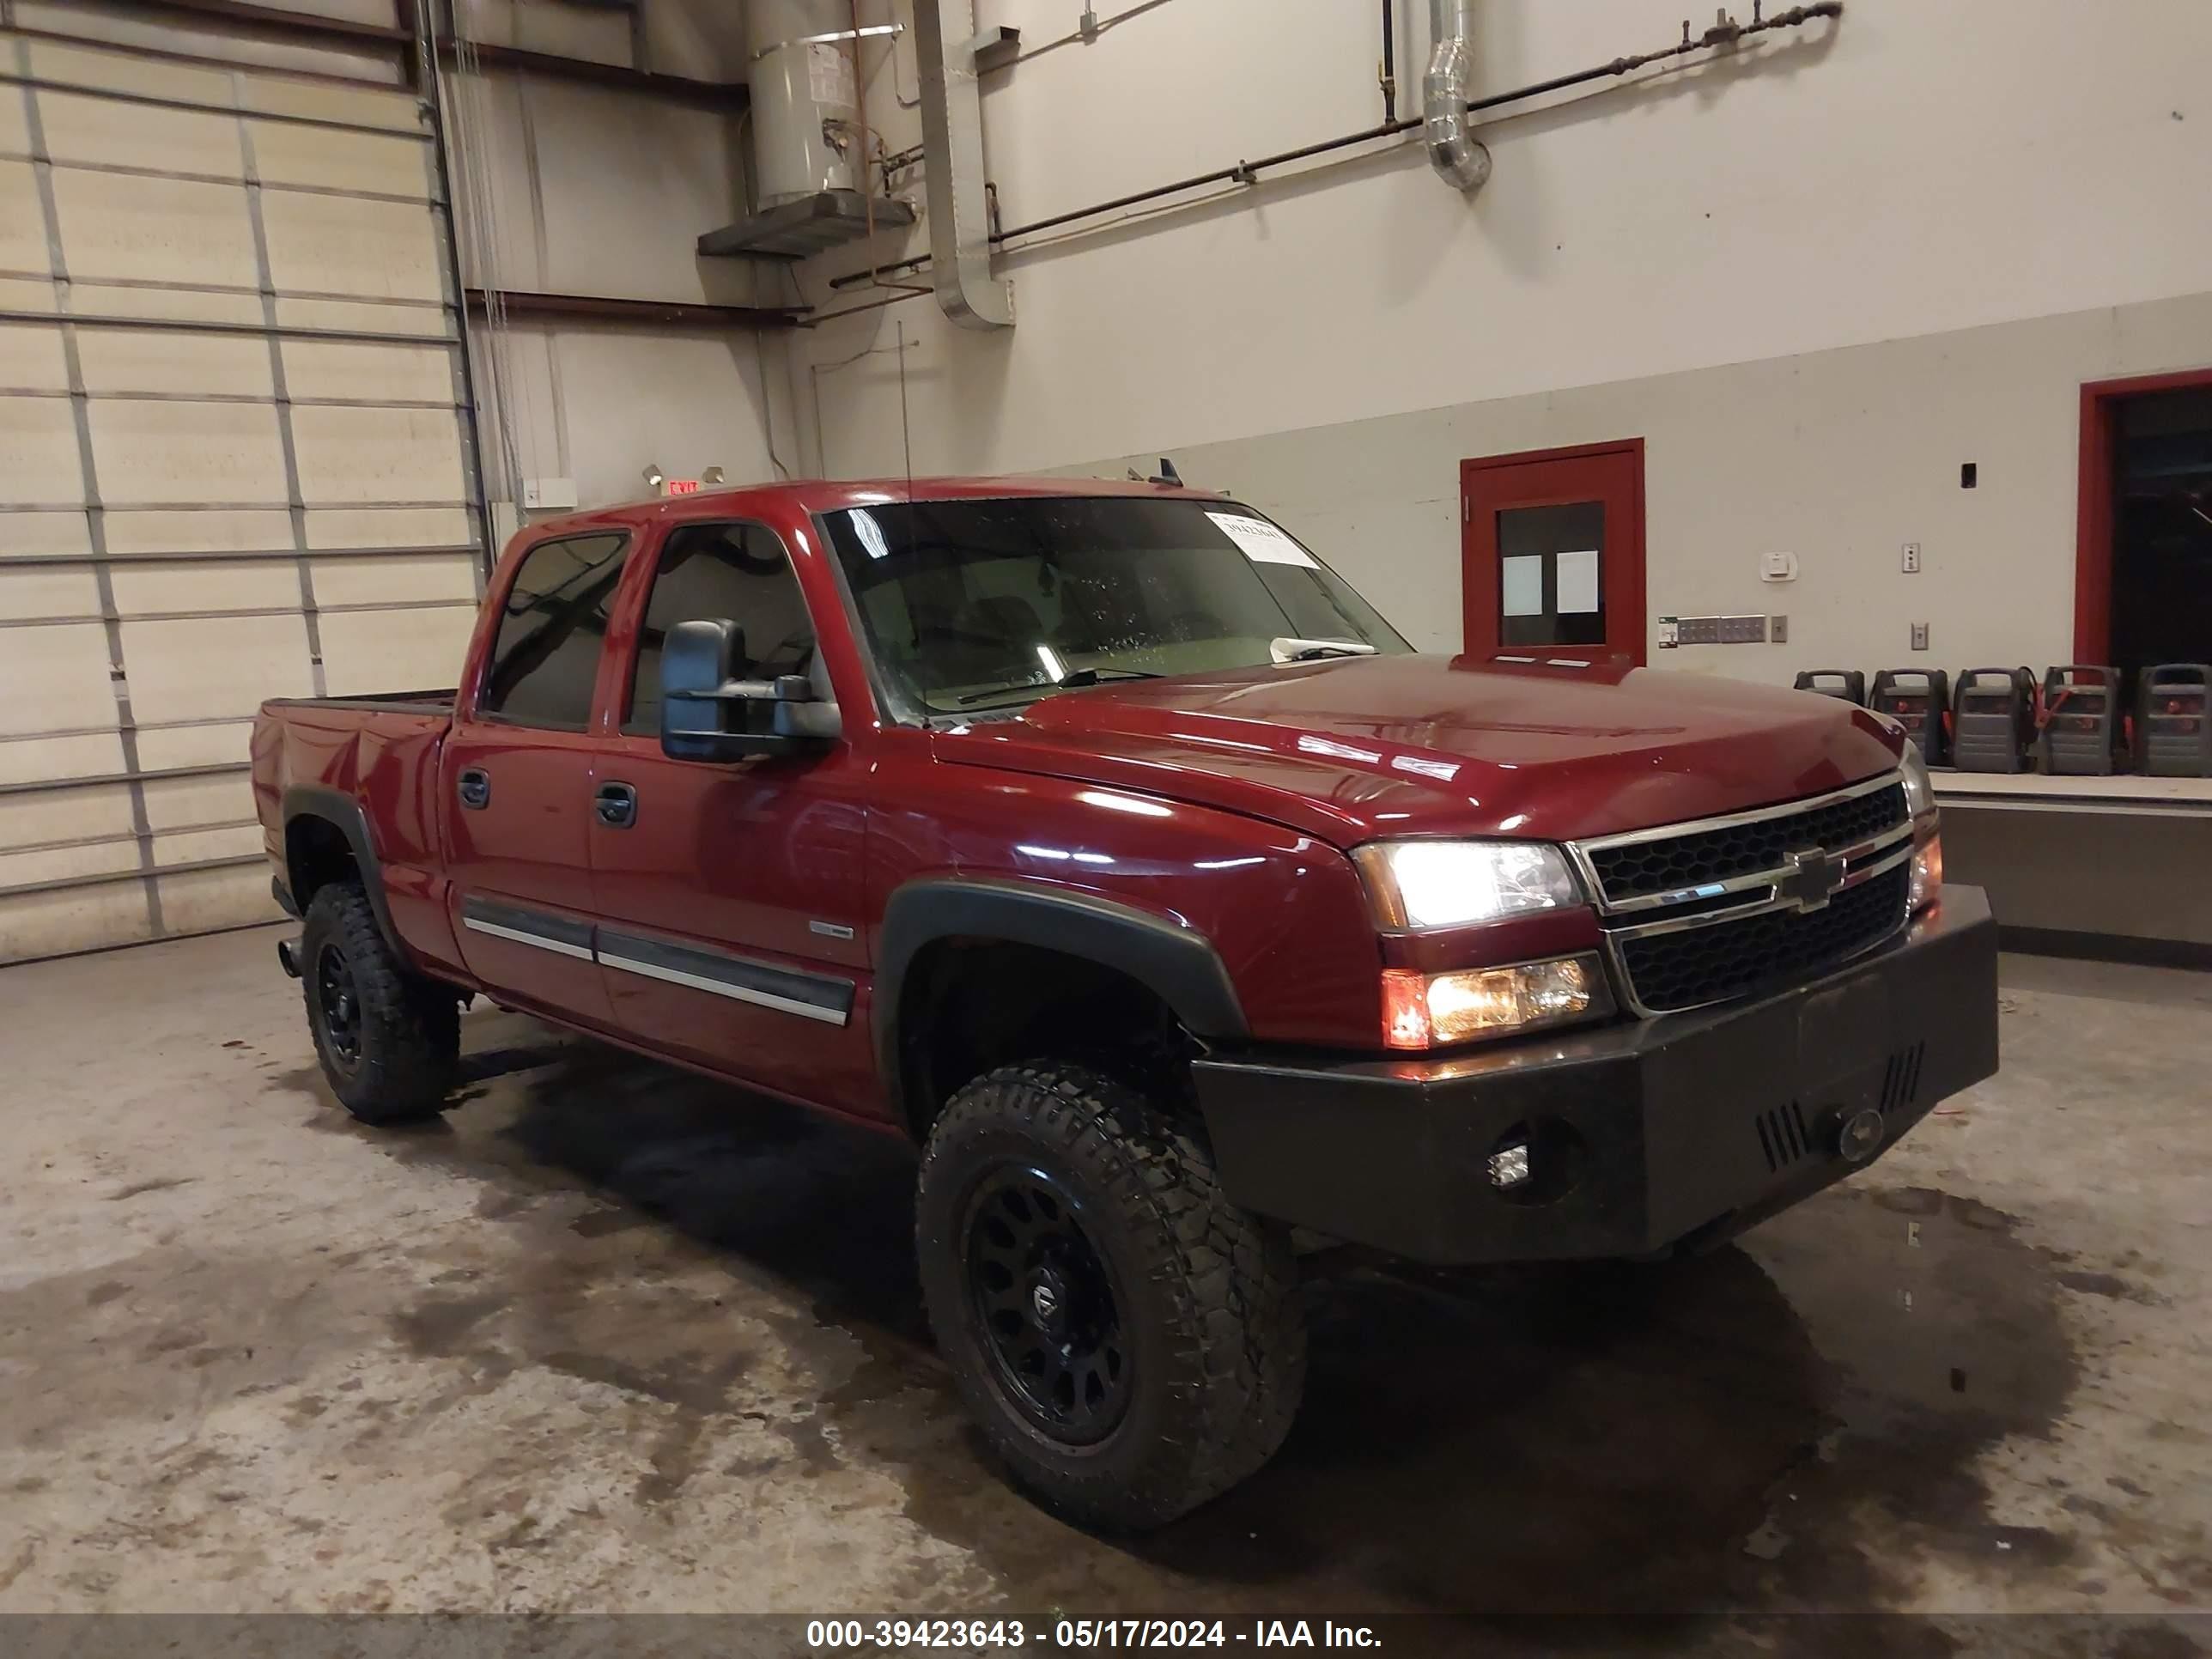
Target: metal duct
(952, 131)
(1460, 161)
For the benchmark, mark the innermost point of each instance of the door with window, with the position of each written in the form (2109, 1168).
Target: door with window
(517, 782)
(1553, 553)
(730, 892)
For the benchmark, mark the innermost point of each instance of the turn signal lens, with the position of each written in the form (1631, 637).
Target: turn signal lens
(1926, 883)
(1428, 1010)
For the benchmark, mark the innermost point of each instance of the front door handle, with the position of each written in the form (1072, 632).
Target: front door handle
(615, 804)
(476, 788)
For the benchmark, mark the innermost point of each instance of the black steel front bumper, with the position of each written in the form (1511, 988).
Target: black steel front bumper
(1644, 1135)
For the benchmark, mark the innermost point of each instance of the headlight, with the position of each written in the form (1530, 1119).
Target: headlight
(1920, 793)
(1443, 884)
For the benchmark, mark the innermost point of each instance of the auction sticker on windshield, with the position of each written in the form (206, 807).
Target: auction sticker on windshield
(1262, 543)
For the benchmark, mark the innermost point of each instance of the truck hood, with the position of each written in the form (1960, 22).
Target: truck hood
(1349, 748)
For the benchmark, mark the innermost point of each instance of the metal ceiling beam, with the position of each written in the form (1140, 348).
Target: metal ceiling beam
(645, 313)
(277, 22)
(676, 89)
(332, 31)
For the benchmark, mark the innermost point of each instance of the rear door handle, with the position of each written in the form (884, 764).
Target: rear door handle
(476, 788)
(615, 804)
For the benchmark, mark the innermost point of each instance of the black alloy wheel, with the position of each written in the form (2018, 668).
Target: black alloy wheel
(1130, 1343)
(1048, 1303)
(337, 997)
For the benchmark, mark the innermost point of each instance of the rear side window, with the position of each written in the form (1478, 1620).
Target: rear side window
(734, 571)
(546, 654)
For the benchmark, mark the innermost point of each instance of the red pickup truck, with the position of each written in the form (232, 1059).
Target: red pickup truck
(1104, 842)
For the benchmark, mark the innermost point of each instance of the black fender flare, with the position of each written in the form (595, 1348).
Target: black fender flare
(344, 813)
(1174, 959)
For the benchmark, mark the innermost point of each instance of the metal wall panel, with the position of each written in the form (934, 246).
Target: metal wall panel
(234, 460)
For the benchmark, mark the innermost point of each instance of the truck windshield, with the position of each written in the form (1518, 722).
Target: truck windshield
(973, 605)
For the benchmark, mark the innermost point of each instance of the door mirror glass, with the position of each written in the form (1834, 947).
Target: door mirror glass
(707, 713)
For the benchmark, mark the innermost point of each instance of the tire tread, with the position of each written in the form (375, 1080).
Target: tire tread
(411, 1026)
(1230, 1278)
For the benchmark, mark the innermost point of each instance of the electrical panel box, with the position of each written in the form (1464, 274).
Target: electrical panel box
(549, 495)
(1720, 631)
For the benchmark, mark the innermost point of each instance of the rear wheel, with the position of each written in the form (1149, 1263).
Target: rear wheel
(1131, 1342)
(389, 1039)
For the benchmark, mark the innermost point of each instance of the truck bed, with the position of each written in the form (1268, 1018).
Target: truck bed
(370, 763)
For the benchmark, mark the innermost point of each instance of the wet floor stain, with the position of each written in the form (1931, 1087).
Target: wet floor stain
(1792, 1422)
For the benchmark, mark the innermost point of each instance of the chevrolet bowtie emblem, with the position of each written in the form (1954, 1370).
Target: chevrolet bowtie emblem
(1810, 878)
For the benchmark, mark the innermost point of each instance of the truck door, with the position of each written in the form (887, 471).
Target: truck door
(730, 892)
(517, 782)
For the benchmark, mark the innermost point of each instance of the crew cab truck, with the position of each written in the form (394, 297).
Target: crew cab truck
(1104, 842)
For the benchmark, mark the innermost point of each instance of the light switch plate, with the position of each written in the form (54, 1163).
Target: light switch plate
(1911, 560)
(1777, 629)
(1920, 637)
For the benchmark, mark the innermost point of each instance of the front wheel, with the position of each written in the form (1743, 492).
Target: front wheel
(390, 1041)
(1131, 1342)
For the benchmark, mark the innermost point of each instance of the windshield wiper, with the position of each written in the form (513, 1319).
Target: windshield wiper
(1093, 676)
(1074, 680)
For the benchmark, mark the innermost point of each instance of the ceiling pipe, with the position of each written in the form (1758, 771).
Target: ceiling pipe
(1460, 161)
(945, 42)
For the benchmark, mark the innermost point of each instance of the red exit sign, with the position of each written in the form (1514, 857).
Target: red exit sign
(682, 486)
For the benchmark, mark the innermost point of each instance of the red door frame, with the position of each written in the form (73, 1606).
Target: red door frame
(1625, 586)
(2092, 534)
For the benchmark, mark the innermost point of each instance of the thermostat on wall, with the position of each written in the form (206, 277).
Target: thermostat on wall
(1778, 566)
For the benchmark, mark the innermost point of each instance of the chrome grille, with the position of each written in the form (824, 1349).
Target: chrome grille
(1644, 868)
(1691, 967)
(1705, 912)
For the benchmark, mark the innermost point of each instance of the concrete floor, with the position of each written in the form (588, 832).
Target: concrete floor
(613, 1338)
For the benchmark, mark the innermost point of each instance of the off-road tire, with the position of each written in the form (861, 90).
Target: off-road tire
(1212, 1317)
(408, 1029)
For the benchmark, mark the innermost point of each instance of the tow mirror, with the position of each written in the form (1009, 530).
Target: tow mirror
(705, 715)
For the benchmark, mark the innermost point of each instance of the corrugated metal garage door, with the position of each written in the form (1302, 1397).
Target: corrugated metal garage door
(232, 462)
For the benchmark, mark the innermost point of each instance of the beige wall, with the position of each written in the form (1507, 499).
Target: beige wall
(1815, 275)
(1840, 457)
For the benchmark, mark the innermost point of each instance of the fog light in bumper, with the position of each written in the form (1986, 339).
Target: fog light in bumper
(1926, 883)
(1428, 1010)
(1509, 1167)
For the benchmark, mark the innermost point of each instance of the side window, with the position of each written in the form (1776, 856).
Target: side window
(739, 571)
(546, 653)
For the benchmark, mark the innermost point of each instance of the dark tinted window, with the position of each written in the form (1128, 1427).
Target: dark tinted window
(737, 571)
(547, 653)
(985, 603)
